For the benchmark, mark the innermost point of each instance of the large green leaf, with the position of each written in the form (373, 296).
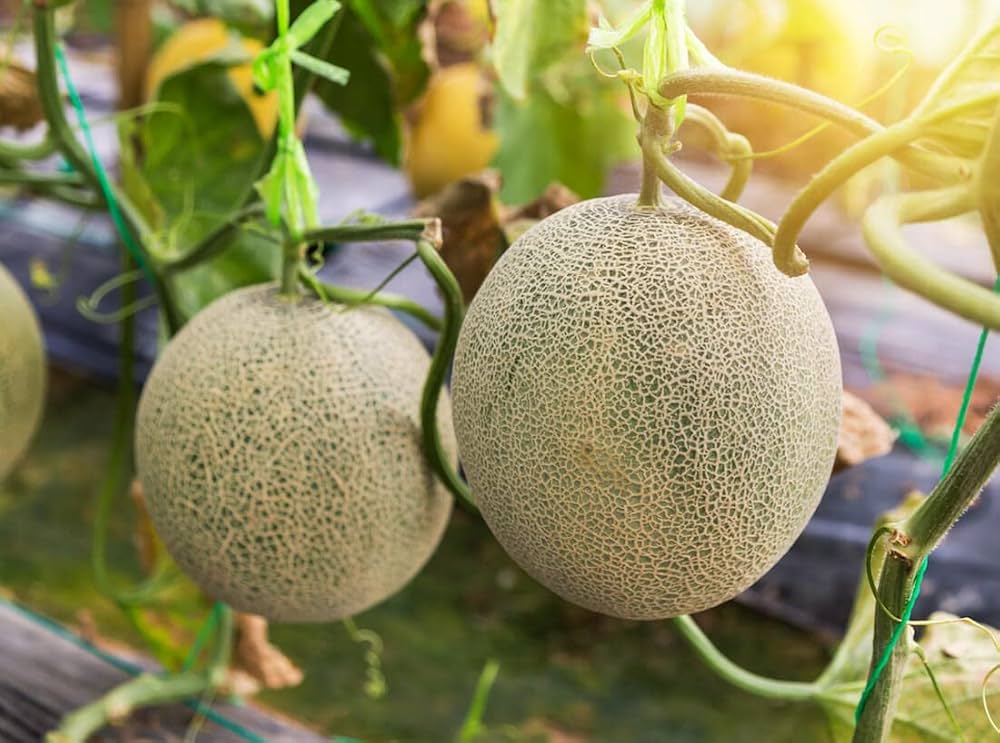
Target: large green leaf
(572, 132)
(366, 106)
(533, 34)
(198, 153)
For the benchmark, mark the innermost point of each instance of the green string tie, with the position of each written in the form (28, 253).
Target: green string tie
(133, 248)
(918, 579)
(102, 175)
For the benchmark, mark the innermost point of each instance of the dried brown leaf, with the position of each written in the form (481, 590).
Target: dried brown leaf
(19, 104)
(863, 434)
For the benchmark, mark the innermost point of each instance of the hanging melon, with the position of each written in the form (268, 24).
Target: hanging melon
(647, 410)
(279, 446)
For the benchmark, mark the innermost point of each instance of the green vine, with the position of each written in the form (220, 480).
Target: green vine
(936, 141)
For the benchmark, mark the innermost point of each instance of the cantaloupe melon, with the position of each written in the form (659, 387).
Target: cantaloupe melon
(279, 446)
(22, 372)
(646, 409)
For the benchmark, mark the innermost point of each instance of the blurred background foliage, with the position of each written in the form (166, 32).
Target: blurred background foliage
(445, 88)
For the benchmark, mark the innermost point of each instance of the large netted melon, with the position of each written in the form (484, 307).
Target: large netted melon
(22, 372)
(279, 446)
(646, 409)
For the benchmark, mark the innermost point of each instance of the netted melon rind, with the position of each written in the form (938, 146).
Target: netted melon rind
(647, 409)
(279, 447)
(22, 372)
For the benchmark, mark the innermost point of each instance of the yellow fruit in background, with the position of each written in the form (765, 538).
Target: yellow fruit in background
(198, 41)
(448, 139)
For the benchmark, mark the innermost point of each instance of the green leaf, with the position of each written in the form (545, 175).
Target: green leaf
(394, 26)
(960, 105)
(960, 655)
(308, 23)
(533, 34)
(252, 258)
(198, 152)
(378, 42)
(322, 69)
(573, 138)
(605, 36)
(366, 105)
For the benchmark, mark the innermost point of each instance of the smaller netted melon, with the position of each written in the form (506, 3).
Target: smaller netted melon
(22, 372)
(647, 410)
(279, 447)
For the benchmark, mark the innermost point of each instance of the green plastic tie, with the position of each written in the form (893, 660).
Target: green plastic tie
(102, 176)
(918, 579)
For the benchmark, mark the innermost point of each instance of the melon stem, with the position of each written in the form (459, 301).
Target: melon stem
(736, 675)
(148, 689)
(290, 262)
(654, 134)
(914, 539)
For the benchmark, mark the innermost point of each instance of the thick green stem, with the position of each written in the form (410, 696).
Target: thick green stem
(654, 135)
(411, 229)
(701, 198)
(30, 178)
(737, 676)
(895, 587)
(912, 542)
(454, 309)
(62, 133)
(64, 187)
(35, 151)
(956, 491)
(650, 196)
(147, 690)
(862, 620)
(47, 80)
(118, 469)
(729, 82)
(823, 184)
(290, 263)
(214, 243)
(348, 296)
(915, 272)
(303, 82)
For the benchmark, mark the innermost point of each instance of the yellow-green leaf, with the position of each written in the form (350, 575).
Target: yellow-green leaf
(531, 35)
